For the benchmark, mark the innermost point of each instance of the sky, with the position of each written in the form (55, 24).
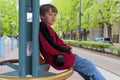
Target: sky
(44, 1)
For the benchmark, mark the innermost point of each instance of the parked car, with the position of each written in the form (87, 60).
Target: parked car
(108, 40)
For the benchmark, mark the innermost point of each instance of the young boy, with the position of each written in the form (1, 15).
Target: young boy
(57, 53)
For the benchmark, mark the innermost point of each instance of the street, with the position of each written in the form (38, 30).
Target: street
(108, 65)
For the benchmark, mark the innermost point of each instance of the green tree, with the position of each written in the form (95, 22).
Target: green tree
(95, 13)
(104, 12)
(66, 7)
(9, 17)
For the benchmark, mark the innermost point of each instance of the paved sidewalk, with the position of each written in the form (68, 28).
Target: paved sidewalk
(116, 44)
(14, 55)
(8, 55)
(106, 61)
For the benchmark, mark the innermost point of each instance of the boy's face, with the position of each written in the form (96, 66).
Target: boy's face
(49, 17)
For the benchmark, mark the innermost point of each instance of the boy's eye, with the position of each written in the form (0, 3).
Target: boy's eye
(50, 14)
(54, 14)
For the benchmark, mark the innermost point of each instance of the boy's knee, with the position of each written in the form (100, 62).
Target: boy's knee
(88, 62)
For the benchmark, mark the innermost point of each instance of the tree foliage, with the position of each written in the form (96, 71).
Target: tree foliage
(67, 8)
(106, 14)
(9, 17)
(95, 13)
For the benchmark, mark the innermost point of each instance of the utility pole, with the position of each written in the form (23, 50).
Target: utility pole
(13, 26)
(67, 24)
(67, 27)
(0, 29)
(0, 26)
(80, 16)
(61, 26)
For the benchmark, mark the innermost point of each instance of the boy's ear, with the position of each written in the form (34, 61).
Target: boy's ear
(42, 17)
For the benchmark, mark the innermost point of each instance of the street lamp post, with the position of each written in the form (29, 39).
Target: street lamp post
(0, 27)
(13, 26)
(1, 40)
(12, 38)
(80, 14)
(61, 25)
(67, 25)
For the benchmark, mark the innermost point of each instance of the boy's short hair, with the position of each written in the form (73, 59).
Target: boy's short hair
(45, 8)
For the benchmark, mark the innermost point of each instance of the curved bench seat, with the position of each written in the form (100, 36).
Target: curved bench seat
(11, 61)
(60, 76)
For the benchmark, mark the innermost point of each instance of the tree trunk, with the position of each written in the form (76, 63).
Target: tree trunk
(119, 34)
(85, 34)
(109, 31)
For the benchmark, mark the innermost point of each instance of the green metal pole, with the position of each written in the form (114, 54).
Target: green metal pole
(61, 25)
(35, 40)
(1, 40)
(0, 26)
(67, 24)
(80, 14)
(22, 37)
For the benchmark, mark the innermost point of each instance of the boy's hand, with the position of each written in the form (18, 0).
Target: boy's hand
(71, 50)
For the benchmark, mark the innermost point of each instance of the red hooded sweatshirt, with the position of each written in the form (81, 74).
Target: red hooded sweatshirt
(51, 45)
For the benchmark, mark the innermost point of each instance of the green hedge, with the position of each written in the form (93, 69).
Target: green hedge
(93, 45)
(88, 44)
(115, 48)
(72, 42)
